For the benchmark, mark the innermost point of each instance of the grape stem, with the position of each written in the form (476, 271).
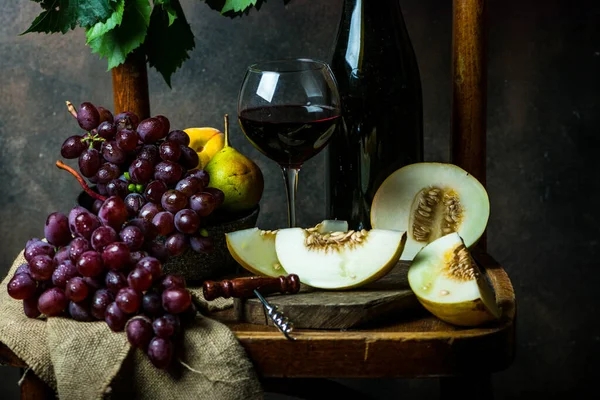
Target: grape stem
(81, 181)
(71, 109)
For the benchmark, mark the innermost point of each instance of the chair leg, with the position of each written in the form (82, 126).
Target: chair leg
(33, 388)
(467, 387)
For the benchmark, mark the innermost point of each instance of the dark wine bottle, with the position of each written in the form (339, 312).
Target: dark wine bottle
(382, 121)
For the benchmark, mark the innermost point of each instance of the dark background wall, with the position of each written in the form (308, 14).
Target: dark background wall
(543, 143)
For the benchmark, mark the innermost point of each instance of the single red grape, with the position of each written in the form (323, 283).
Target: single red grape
(152, 304)
(90, 264)
(100, 301)
(41, 267)
(129, 300)
(139, 279)
(76, 289)
(176, 300)
(139, 332)
(30, 307)
(160, 352)
(21, 287)
(115, 318)
(52, 302)
(116, 256)
(151, 265)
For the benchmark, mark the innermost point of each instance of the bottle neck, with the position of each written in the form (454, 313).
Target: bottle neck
(373, 23)
(370, 9)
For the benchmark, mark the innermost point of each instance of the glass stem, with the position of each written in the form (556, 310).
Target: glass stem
(290, 176)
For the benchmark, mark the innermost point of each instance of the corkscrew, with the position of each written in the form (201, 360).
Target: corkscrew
(246, 287)
(279, 320)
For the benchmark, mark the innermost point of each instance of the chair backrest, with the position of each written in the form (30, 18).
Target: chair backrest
(469, 74)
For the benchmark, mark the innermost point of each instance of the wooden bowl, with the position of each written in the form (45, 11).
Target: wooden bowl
(196, 267)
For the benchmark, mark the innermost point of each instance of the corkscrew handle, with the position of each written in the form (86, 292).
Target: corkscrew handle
(244, 287)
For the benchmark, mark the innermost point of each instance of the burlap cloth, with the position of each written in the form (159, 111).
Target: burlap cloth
(86, 360)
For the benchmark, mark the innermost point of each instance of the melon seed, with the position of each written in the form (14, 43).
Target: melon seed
(435, 212)
(461, 265)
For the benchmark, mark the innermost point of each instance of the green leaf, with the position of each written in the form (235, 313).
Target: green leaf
(237, 5)
(166, 5)
(89, 12)
(102, 27)
(63, 15)
(56, 17)
(167, 44)
(118, 42)
(236, 8)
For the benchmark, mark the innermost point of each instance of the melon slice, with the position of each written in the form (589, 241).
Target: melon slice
(340, 260)
(430, 200)
(448, 283)
(254, 249)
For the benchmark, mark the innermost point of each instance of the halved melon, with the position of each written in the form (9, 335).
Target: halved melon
(448, 283)
(430, 200)
(340, 260)
(254, 249)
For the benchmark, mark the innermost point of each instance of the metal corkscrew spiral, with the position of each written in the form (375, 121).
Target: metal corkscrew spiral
(281, 322)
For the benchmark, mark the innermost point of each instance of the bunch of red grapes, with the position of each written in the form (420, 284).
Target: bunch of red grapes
(152, 169)
(105, 263)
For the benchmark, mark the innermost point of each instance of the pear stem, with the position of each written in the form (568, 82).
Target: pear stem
(226, 130)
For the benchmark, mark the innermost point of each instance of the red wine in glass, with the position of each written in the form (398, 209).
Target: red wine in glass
(289, 134)
(288, 110)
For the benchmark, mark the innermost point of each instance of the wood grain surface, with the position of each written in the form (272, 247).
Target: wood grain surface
(417, 345)
(469, 90)
(390, 296)
(130, 86)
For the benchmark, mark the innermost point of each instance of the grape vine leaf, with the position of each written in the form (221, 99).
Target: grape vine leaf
(63, 15)
(118, 42)
(237, 5)
(167, 44)
(100, 28)
(166, 5)
(236, 8)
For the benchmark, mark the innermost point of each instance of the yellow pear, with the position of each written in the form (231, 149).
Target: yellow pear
(240, 179)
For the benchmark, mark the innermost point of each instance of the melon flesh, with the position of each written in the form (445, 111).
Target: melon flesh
(254, 249)
(395, 204)
(453, 293)
(343, 267)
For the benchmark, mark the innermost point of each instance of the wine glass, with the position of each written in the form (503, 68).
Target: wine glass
(288, 110)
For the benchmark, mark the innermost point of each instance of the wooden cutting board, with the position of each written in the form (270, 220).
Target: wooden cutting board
(387, 297)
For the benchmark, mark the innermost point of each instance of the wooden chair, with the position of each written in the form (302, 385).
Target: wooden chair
(417, 347)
